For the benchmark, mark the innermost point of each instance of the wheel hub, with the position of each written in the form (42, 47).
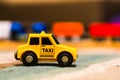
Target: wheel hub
(29, 59)
(65, 59)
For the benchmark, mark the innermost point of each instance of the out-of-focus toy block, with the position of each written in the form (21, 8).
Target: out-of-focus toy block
(104, 30)
(38, 27)
(5, 27)
(44, 47)
(9, 29)
(115, 19)
(68, 29)
(17, 30)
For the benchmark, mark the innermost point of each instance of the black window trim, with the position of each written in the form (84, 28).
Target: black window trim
(48, 38)
(34, 43)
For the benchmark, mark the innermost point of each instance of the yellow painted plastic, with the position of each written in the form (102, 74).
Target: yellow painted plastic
(51, 51)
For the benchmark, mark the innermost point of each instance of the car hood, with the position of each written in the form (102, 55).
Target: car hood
(21, 46)
(67, 47)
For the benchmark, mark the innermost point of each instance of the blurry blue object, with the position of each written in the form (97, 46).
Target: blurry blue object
(115, 19)
(17, 30)
(17, 27)
(37, 27)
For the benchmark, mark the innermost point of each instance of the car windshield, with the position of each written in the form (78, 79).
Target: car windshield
(55, 40)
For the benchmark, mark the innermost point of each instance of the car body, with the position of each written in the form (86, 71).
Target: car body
(44, 47)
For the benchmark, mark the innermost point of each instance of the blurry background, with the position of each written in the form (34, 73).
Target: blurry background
(27, 12)
(50, 11)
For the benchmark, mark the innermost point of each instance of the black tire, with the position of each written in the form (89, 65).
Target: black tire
(29, 59)
(64, 63)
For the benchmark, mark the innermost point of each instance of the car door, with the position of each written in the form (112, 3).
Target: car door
(47, 47)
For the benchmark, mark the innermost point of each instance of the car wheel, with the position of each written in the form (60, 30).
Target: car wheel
(65, 59)
(29, 59)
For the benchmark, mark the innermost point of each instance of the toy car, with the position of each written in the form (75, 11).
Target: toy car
(44, 47)
(104, 30)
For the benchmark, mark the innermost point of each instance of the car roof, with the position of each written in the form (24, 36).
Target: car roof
(39, 34)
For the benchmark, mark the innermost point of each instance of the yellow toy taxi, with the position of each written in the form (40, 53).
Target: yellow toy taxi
(44, 47)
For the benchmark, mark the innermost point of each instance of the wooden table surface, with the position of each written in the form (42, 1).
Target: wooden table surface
(6, 45)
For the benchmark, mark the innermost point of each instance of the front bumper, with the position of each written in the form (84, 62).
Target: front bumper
(15, 56)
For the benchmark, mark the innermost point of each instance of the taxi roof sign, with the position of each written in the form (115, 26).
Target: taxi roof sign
(43, 32)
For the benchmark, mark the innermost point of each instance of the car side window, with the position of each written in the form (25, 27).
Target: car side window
(34, 41)
(46, 41)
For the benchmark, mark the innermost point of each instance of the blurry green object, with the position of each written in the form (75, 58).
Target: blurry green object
(23, 37)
